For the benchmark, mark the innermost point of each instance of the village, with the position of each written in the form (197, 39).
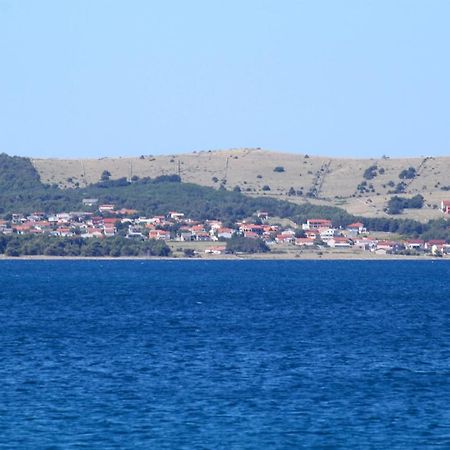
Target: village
(175, 227)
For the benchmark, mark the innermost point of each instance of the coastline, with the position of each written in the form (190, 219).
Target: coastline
(249, 257)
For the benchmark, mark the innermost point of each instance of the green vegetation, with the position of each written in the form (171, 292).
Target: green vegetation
(240, 244)
(16, 245)
(363, 187)
(370, 172)
(396, 204)
(22, 191)
(279, 169)
(399, 188)
(106, 175)
(408, 174)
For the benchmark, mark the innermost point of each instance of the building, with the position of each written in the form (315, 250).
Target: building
(445, 206)
(315, 224)
(90, 201)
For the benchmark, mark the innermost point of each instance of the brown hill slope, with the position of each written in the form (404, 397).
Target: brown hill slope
(331, 181)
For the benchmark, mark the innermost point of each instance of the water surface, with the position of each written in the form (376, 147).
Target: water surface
(224, 354)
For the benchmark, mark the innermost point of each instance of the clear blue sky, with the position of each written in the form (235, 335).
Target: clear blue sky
(341, 78)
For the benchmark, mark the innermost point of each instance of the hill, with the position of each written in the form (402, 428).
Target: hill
(21, 190)
(360, 186)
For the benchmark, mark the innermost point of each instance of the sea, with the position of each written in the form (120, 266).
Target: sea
(165, 354)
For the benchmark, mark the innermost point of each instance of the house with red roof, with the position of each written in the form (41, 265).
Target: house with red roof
(315, 224)
(356, 228)
(414, 244)
(304, 242)
(339, 242)
(312, 234)
(285, 238)
(225, 233)
(161, 235)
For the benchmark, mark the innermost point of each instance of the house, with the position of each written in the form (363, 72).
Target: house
(135, 233)
(176, 215)
(312, 234)
(17, 218)
(356, 228)
(109, 226)
(92, 232)
(64, 232)
(158, 220)
(304, 242)
(326, 233)
(63, 217)
(108, 208)
(251, 235)
(38, 215)
(339, 242)
(445, 206)
(161, 235)
(263, 215)
(385, 245)
(365, 244)
(185, 236)
(214, 224)
(251, 228)
(284, 238)
(198, 229)
(315, 224)
(225, 233)
(109, 230)
(202, 236)
(414, 244)
(24, 228)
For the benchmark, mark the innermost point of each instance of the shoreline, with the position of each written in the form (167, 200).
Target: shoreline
(250, 257)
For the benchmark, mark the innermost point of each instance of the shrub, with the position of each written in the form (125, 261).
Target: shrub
(279, 169)
(370, 172)
(407, 174)
(106, 175)
(242, 244)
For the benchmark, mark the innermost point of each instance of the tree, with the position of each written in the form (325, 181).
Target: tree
(370, 172)
(407, 174)
(106, 175)
(240, 244)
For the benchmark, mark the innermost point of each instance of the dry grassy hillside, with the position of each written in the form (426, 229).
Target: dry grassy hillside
(320, 180)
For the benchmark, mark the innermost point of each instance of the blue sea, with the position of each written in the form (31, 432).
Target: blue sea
(224, 354)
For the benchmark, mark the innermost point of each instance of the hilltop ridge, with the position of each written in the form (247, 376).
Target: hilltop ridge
(360, 186)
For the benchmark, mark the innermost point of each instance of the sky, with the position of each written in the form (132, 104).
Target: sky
(95, 78)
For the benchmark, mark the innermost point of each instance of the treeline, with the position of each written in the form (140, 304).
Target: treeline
(24, 245)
